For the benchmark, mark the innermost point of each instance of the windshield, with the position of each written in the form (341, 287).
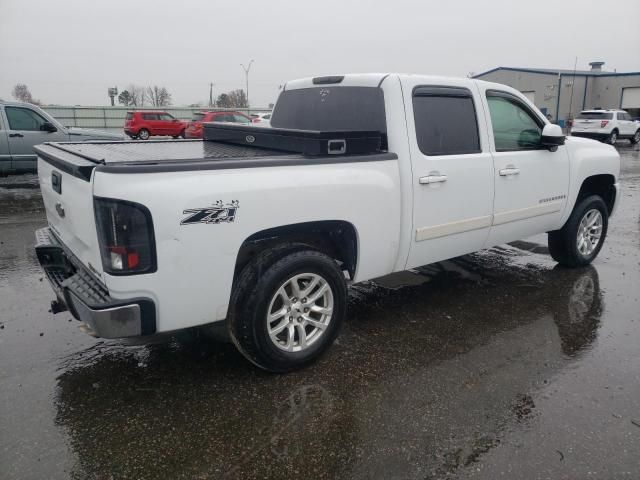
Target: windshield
(331, 109)
(197, 117)
(595, 116)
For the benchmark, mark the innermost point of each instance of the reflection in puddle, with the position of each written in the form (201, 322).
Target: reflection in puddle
(424, 379)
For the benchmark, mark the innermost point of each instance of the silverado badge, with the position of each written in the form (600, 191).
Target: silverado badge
(217, 213)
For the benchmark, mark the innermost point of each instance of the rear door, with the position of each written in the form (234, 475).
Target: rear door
(152, 123)
(452, 170)
(24, 133)
(531, 182)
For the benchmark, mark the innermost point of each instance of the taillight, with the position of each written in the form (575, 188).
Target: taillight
(255, 120)
(125, 235)
(604, 123)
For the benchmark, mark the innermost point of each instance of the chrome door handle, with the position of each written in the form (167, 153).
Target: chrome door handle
(433, 179)
(510, 170)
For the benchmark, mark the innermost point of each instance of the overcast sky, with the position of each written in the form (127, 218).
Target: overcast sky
(70, 51)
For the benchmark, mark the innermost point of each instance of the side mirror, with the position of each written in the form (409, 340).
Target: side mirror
(552, 137)
(48, 127)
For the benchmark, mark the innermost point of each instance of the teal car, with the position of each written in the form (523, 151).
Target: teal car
(22, 126)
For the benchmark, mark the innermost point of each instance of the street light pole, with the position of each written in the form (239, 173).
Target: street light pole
(246, 77)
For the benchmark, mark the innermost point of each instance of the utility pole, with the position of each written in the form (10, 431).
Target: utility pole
(211, 94)
(246, 76)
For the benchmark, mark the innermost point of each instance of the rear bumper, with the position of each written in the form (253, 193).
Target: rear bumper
(594, 135)
(88, 299)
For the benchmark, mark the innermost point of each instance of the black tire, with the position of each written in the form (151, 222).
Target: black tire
(143, 134)
(563, 243)
(251, 299)
(636, 137)
(612, 138)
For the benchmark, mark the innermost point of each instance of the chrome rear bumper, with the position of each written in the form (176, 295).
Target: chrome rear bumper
(87, 298)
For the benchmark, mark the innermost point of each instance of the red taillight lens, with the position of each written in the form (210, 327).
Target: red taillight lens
(604, 123)
(125, 235)
(255, 120)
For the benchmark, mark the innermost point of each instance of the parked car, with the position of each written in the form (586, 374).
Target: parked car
(606, 125)
(143, 124)
(194, 128)
(261, 117)
(23, 125)
(265, 241)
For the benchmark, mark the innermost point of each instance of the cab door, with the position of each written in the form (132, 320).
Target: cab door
(27, 129)
(452, 169)
(531, 182)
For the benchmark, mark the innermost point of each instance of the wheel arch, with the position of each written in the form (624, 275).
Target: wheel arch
(336, 238)
(602, 185)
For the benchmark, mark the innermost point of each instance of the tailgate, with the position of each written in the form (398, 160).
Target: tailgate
(67, 193)
(586, 124)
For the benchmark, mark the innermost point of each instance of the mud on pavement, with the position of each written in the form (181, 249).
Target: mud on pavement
(493, 365)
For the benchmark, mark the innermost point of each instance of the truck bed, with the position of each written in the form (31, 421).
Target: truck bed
(79, 159)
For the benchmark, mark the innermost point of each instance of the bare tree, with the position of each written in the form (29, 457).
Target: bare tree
(158, 96)
(21, 93)
(136, 95)
(233, 99)
(238, 99)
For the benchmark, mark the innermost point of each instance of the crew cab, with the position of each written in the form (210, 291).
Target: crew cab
(155, 237)
(195, 126)
(144, 124)
(23, 125)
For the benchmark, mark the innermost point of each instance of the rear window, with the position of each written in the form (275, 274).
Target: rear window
(331, 109)
(129, 115)
(445, 121)
(197, 117)
(595, 116)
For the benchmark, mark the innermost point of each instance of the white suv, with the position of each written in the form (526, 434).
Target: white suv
(606, 125)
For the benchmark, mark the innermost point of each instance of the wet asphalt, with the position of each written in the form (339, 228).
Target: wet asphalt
(493, 365)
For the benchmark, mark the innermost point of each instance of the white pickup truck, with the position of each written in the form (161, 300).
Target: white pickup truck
(154, 237)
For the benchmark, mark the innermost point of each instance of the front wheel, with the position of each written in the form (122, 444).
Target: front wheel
(636, 137)
(580, 240)
(283, 317)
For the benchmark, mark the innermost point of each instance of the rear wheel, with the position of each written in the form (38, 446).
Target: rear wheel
(143, 134)
(580, 240)
(636, 137)
(287, 308)
(613, 137)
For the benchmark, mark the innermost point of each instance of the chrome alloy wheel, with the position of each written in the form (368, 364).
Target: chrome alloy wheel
(300, 312)
(589, 232)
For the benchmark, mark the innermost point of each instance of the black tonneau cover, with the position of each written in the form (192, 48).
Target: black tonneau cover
(80, 159)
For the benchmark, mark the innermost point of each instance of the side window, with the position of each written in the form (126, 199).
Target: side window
(150, 116)
(24, 119)
(166, 117)
(445, 120)
(515, 127)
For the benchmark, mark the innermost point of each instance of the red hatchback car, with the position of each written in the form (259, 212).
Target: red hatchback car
(195, 129)
(143, 125)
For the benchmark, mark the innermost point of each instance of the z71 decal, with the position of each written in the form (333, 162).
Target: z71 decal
(218, 213)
